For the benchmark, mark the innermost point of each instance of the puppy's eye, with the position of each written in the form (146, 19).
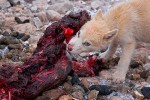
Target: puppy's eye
(86, 44)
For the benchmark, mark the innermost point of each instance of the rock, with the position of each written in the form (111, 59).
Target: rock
(4, 4)
(93, 95)
(145, 74)
(138, 95)
(1, 21)
(41, 4)
(68, 87)
(96, 4)
(141, 55)
(78, 88)
(53, 94)
(115, 98)
(147, 66)
(25, 37)
(103, 89)
(61, 8)
(90, 81)
(37, 22)
(53, 15)
(105, 74)
(135, 64)
(43, 17)
(26, 28)
(9, 21)
(34, 8)
(146, 92)
(85, 82)
(21, 20)
(66, 97)
(14, 46)
(135, 76)
(148, 79)
(14, 2)
(78, 95)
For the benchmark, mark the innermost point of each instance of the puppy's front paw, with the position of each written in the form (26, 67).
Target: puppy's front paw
(118, 76)
(103, 56)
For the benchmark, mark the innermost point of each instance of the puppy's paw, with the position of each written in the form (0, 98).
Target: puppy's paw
(118, 76)
(103, 56)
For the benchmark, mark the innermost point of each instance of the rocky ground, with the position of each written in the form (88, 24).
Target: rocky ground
(22, 23)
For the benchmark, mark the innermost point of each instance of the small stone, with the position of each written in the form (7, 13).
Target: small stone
(116, 98)
(78, 95)
(85, 82)
(4, 4)
(15, 58)
(68, 87)
(2, 46)
(66, 97)
(61, 8)
(138, 95)
(95, 4)
(135, 76)
(145, 74)
(40, 3)
(147, 66)
(105, 74)
(148, 79)
(37, 22)
(146, 92)
(25, 37)
(26, 28)
(135, 64)
(14, 46)
(21, 20)
(43, 17)
(53, 15)
(53, 94)
(93, 95)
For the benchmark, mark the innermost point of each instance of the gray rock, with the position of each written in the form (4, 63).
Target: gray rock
(37, 22)
(4, 4)
(61, 8)
(43, 17)
(53, 15)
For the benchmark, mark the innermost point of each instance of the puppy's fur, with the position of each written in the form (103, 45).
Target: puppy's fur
(123, 25)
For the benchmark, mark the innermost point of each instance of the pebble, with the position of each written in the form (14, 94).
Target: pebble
(66, 97)
(138, 95)
(93, 95)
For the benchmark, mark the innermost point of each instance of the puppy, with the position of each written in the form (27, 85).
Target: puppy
(123, 25)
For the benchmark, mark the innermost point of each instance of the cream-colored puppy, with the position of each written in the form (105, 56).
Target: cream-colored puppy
(123, 25)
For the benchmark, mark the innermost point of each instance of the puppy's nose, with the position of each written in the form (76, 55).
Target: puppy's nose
(70, 46)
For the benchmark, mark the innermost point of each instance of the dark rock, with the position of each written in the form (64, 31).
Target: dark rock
(146, 92)
(103, 89)
(135, 64)
(21, 20)
(14, 46)
(145, 74)
(25, 37)
(20, 35)
(6, 34)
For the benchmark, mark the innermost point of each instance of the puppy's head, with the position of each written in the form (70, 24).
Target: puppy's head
(93, 36)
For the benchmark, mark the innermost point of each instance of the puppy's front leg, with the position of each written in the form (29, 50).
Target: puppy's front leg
(123, 65)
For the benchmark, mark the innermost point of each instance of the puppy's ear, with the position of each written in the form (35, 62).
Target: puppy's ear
(110, 35)
(98, 15)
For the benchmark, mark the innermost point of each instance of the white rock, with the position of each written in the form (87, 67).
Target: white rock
(37, 22)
